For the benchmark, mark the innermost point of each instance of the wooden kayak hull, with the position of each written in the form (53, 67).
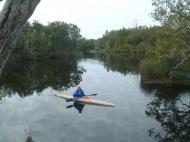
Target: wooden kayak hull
(89, 101)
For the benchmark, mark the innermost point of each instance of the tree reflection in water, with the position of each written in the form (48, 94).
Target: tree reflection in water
(29, 136)
(29, 139)
(27, 77)
(123, 63)
(172, 112)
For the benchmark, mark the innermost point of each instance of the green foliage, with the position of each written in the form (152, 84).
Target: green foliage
(172, 13)
(175, 17)
(85, 46)
(37, 40)
(152, 68)
(163, 70)
(179, 75)
(166, 47)
(127, 40)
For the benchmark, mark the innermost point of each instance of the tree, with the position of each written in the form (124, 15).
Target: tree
(175, 16)
(74, 33)
(14, 15)
(84, 45)
(172, 12)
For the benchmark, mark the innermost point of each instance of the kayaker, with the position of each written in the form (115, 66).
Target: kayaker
(79, 93)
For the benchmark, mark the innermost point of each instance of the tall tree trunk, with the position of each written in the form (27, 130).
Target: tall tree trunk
(14, 15)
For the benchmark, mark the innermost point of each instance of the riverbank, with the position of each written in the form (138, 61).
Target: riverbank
(150, 71)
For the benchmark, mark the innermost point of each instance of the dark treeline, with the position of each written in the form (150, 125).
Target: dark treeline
(132, 40)
(165, 57)
(85, 45)
(56, 38)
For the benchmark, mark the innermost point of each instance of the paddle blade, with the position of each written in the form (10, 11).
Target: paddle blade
(69, 106)
(69, 100)
(92, 95)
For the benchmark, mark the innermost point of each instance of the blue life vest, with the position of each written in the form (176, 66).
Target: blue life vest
(78, 93)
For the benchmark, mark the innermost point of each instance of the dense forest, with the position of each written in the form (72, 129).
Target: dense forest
(165, 49)
(51, 41)
(56, 38)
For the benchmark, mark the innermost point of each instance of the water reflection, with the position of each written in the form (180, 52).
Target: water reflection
(125, 63)
(167, 106)
(163, 91)
(174, 117)
(171, 108)
(137, 103)
(29, 137)
(77, 106)
(25, 78)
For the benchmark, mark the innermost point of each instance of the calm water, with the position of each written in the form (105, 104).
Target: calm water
(142, 113)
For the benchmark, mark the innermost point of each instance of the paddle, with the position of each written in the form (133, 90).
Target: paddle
(69, 106)
(92, 95)
(86, 95)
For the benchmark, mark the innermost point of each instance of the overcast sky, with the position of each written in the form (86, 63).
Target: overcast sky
(94, 17)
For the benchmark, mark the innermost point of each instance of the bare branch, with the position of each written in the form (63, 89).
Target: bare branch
(180, 14)
(184, 104)
(182, 61)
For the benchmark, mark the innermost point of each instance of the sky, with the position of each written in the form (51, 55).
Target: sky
(94, 17)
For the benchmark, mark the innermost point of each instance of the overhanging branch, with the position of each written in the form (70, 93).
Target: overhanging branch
(181, 14)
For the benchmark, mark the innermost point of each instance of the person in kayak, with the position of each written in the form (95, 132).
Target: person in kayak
(79, 93)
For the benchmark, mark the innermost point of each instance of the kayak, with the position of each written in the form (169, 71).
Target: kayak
(89, 101)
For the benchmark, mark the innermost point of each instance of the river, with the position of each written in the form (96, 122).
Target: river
(29, 109)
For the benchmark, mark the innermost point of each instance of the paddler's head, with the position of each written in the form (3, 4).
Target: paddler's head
(78, 87)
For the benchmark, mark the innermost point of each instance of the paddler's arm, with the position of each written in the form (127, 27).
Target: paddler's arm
(83, 95)
(74, 96)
